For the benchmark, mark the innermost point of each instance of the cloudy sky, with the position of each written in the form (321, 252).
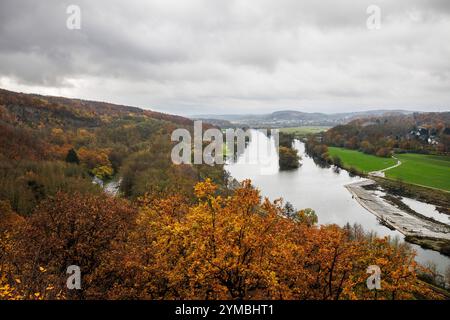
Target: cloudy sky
(231, 56)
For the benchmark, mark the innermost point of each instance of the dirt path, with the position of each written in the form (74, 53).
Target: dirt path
(380, 173)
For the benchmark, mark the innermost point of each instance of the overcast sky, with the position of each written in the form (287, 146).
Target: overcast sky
(224, 56)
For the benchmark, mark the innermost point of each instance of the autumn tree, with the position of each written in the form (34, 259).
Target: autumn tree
(69, 230)
(288, 158)
(221, 246)
(243, 247)
(10, 226)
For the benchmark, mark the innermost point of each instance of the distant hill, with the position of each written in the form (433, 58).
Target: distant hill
(292, 118)
(217, 122)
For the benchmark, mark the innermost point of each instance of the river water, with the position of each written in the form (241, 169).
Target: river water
(312, 186)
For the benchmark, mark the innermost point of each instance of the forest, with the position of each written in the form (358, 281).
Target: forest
(417, 132)
(172, 231)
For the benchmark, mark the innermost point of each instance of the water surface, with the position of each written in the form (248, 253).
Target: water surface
(312, 186)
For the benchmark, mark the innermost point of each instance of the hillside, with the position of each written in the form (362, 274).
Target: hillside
(71, 112)
(417, 132)
(37, 134)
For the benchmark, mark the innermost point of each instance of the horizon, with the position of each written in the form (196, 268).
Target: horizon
(270, 111)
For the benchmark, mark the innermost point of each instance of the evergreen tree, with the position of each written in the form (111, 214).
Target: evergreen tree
(72, 157)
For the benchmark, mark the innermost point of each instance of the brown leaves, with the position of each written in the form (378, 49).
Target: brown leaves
(69, 230)
(220, 247)
(239, 248)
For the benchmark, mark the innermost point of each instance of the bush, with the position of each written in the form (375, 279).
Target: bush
(353, 171)
(103, 172)
(383, 152)
(337, 161)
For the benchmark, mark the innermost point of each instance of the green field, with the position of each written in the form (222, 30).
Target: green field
(361, 161)
(426, 170)
(303, 131)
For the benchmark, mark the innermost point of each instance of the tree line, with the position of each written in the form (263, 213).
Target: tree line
(381, 136)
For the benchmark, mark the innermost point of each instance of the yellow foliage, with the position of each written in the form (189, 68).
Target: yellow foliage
(240, 247)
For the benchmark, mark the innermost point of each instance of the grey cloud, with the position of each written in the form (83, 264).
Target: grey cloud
(231, 55)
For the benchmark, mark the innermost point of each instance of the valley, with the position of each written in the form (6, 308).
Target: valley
(99, 176)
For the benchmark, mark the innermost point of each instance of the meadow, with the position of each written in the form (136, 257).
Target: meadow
(361, 161)
(426, 170)
(303, 131)
(420, 169)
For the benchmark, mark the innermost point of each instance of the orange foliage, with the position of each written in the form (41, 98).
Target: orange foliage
(68, 230)
(219, 247)
(93, 158)
(240, 247)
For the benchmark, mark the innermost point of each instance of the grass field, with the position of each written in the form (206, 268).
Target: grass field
(361, 161)
(426, 170)
(303, 131)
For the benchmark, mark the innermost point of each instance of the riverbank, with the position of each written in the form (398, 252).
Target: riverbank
(431, 171)
(439, 198)
(424, 232)
(362, 162)
(110, 186)
(321, 187)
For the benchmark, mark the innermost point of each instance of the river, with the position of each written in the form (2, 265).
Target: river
(312, 186)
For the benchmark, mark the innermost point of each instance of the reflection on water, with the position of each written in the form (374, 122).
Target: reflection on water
(312, 186)
(427, 210)
(112, 187)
